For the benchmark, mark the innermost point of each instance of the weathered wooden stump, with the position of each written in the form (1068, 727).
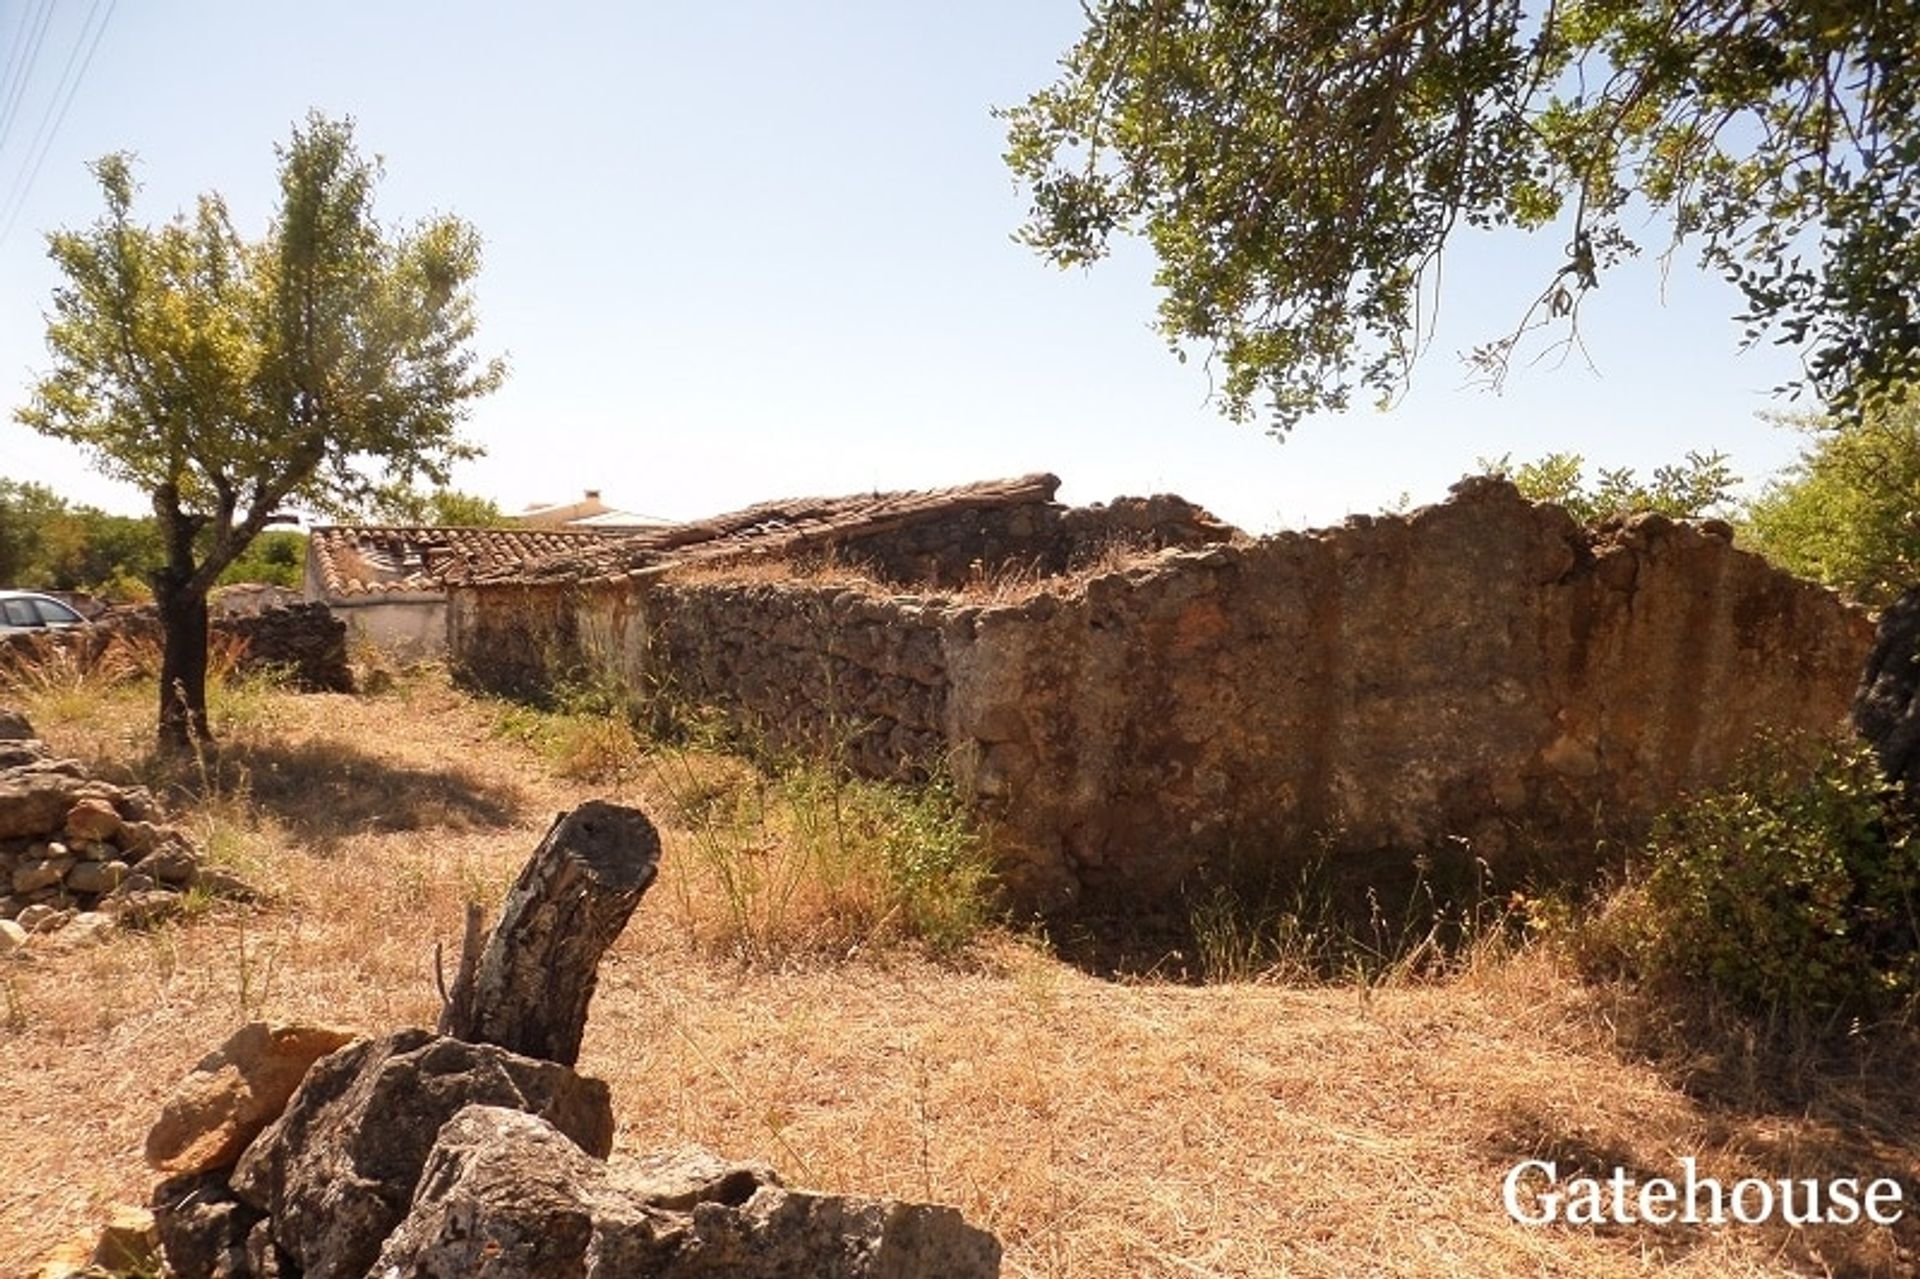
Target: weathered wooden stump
(527, 987)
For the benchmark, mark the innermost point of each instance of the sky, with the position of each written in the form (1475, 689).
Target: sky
(749, 249)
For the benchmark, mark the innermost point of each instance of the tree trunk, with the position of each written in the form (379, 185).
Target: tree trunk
(183, 666)
(1886, 710)
(529, 989)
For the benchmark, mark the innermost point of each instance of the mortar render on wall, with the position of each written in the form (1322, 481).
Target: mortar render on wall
(1482, 678)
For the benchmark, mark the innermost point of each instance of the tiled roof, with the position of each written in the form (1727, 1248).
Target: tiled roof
(381, 559)
(783, 525)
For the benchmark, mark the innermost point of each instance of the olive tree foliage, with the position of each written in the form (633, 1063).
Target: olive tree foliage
(230, 378)
(1299, 169)
(1847, 512)
(1701, 487)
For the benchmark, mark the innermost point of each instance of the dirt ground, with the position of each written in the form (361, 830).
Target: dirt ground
(1099, 1128)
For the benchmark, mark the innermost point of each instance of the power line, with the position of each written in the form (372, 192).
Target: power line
(16, 84)
(44, 136)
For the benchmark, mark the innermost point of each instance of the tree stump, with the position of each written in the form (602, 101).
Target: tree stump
(528, 988)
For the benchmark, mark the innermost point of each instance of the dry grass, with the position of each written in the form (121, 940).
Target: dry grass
(1100, 1129)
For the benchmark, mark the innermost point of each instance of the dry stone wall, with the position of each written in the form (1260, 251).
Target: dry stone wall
(1482, 678)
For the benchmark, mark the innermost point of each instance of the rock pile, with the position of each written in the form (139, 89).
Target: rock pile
(80, 853)
(425, 1155)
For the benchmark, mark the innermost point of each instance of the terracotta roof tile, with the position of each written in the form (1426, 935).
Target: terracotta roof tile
(355, 560)
(782, 525)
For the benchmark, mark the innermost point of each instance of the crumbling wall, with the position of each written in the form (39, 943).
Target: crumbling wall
(822, 668)
(1042, 538)
(1482, 677)
(305, 641)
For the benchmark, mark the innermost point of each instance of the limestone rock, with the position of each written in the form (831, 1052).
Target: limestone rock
(129, 1241)
(85, 928)
(234, 1093)
(202, 1228)
(94, 819)
(14, 726)
(12, 936)
(171, 863)
(336, 1171)
(42, 918)
(504, 1196)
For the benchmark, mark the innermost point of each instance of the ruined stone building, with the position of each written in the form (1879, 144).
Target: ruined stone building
(1135, 695)
(388, 582)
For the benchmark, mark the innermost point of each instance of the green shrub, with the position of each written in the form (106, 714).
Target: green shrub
(1789, 890)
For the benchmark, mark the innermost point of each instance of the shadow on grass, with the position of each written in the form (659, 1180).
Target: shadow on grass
(1773, 1099)
(325, 791)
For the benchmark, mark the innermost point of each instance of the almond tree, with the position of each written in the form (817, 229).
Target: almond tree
(230, 378)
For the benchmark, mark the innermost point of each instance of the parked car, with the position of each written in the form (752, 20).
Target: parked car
(26, 611)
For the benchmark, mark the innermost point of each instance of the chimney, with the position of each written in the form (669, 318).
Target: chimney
(593, 495)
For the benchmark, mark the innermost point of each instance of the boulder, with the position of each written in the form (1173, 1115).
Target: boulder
(504, 1196)
(12, 936)
(14, 726)
(234, 1093)
(92, 818)
(34, 800)
(336, 1171)
(202, 1227)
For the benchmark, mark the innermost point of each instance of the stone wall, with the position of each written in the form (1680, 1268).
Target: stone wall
(304, 640)
(1481, 678)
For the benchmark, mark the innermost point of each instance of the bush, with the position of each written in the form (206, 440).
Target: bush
(1788, 890)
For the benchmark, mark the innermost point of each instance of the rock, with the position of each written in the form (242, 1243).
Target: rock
(96, 877)
(129, 1241)
(11, 906)
(32, 876)
(143, 908)
(504, 1195)
(171, 863)
(41, 918)
(137, 839)
(223, 883)
(14, 754)
(14, 726)
(35, 799)
(86, 928)
(202, 1228)
(12, 936)
(336, 1171)
(234, 1093)
(93, 819)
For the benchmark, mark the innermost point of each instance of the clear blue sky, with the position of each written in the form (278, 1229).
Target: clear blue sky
(750, 249)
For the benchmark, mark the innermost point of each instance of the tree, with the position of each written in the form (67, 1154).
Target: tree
(1299, 170)
(441, 508)
(228, 378)
(1848, 512)
(1684, 492)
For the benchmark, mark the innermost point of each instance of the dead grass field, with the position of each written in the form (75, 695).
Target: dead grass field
(1100, 1129)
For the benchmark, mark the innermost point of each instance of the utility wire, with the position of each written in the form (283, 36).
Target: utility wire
(20, 65)
(43, 137)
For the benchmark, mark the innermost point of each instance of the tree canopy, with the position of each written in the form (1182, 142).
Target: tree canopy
(1847, 513)
(229, 378)
(1299, 169)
